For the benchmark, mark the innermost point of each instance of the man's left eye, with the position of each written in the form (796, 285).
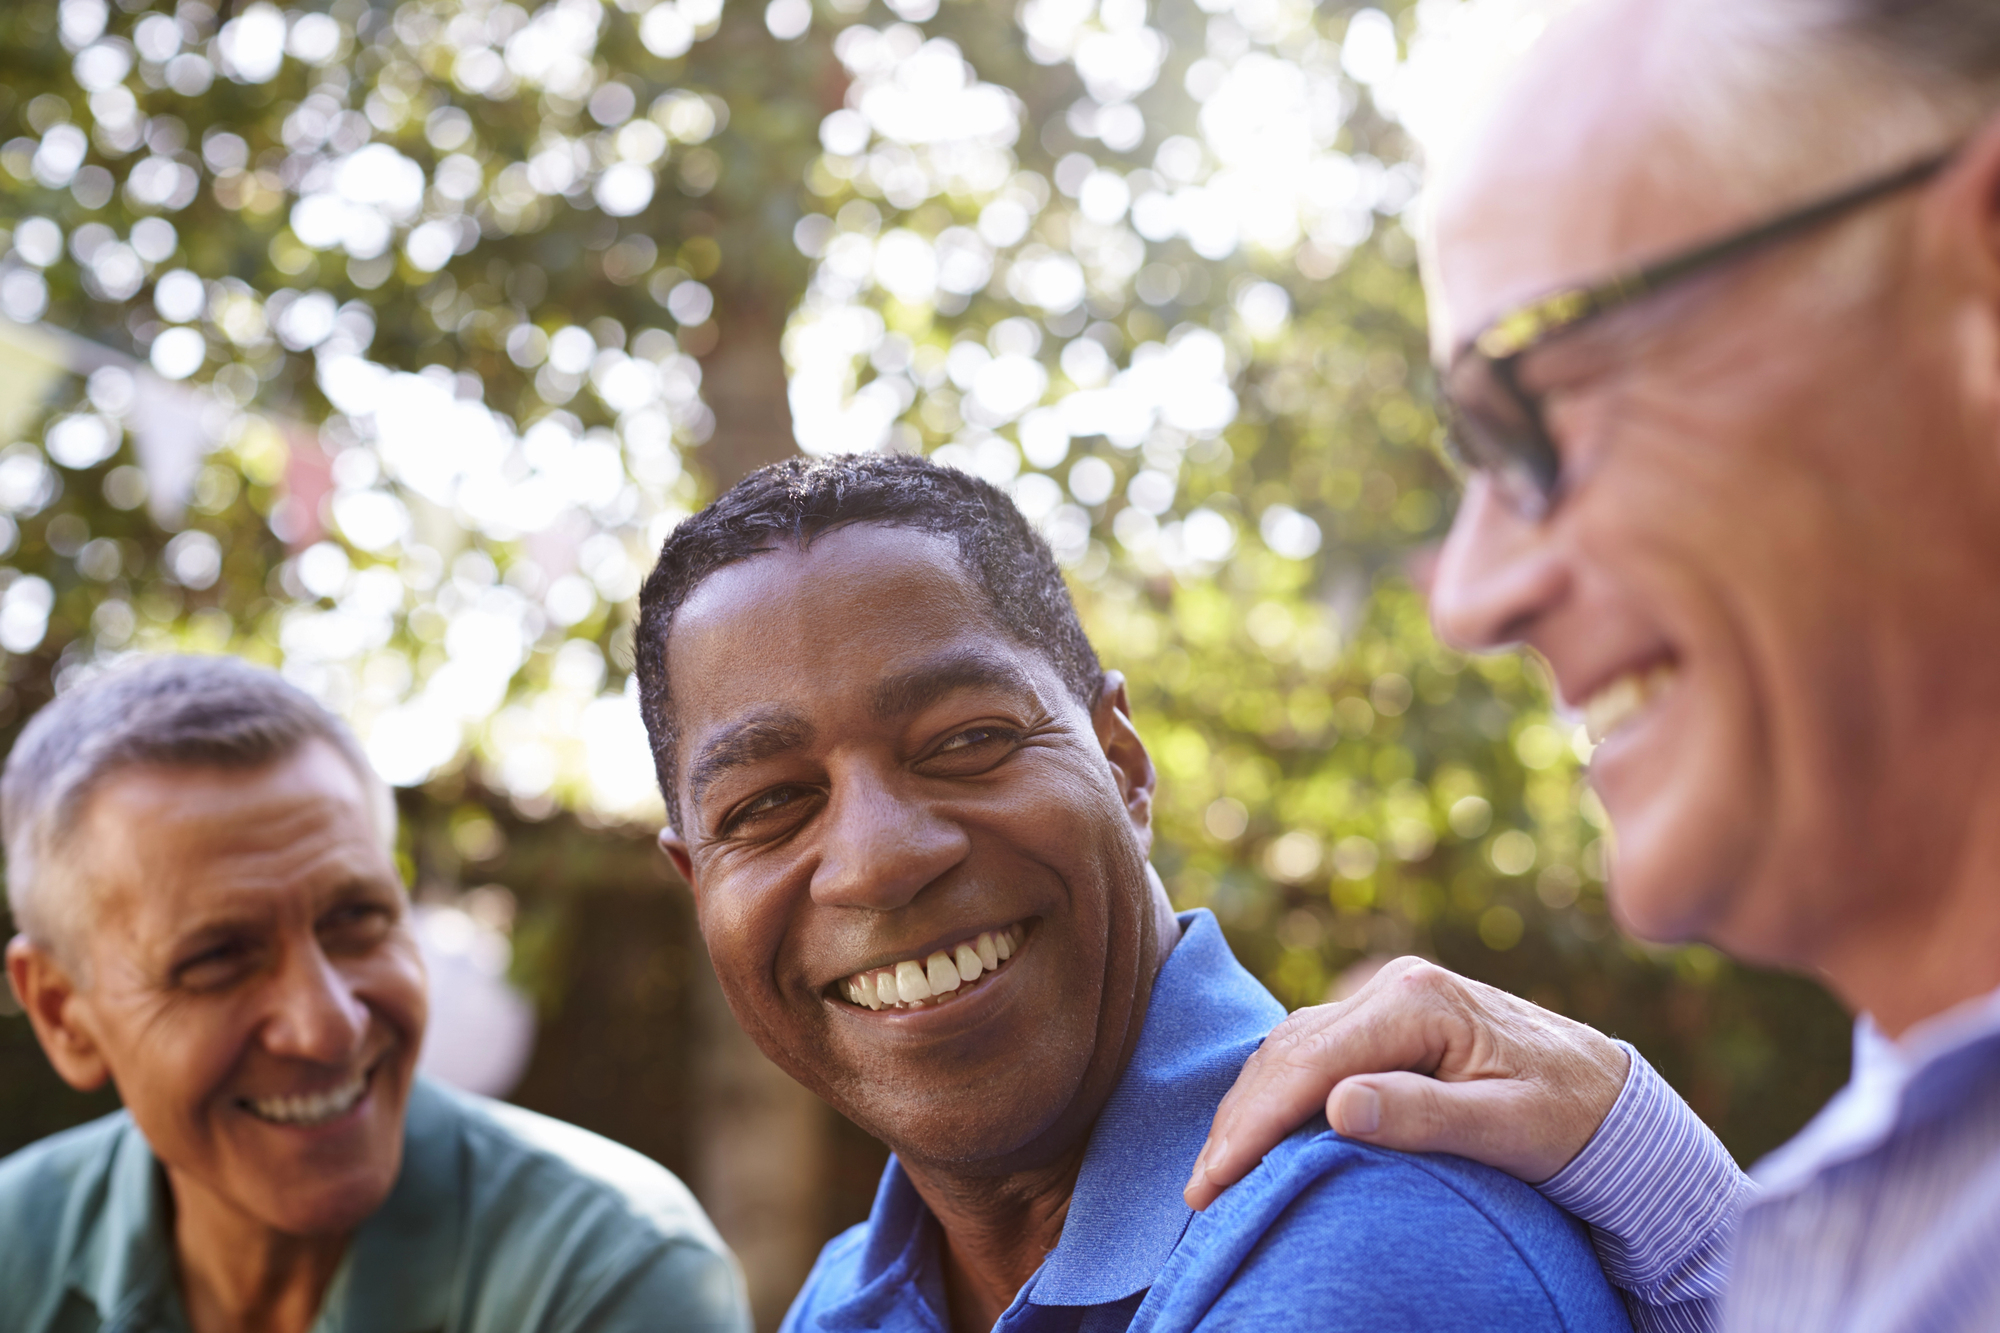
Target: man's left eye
(977, 743)
(358, 922)
(967, 739)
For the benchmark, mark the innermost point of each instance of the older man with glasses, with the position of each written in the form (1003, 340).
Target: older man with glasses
(1738, 482)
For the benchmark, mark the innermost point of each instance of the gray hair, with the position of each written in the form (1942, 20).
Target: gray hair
(1808, 87)
(173, 711)
(1781, 101)
(1957, 38)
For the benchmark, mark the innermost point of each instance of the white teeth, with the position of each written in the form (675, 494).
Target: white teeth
(1624, 699)
(910, 983)
(309, 1108)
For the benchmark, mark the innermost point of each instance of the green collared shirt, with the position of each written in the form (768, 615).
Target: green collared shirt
(502, 1221)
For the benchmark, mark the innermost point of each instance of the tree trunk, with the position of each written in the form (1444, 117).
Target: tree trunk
(761, 1139)
(743, 381)
(760, 1157)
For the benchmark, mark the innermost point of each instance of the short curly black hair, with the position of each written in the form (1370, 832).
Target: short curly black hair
(793, 502)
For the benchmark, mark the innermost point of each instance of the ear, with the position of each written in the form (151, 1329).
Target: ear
(1969, 212)
(54, 1004)
(676, 848)
(1112, 720)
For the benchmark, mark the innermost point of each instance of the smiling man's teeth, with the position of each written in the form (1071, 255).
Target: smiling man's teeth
(1623, 699)
(911, 982)
(311, 1108)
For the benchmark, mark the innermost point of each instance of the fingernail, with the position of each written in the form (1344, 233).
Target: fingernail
(1360, 1110)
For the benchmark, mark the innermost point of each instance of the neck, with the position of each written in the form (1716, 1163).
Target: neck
(1936, 945)
(998, 1228)
(997, 1231)
(238, 1275)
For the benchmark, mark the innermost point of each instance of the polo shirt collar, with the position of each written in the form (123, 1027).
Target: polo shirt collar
(395, 1278)
(123, 1267)
(1205, 1017)
(398, 1273)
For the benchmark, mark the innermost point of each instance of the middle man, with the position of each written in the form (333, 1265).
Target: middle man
(916, 819)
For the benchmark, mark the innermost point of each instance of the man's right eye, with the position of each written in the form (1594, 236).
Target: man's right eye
(763, 804)
(213, 967)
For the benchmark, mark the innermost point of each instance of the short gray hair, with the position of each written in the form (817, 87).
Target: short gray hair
(171, 711)
(1844, 86)
(1959, 38)
(1782, 101)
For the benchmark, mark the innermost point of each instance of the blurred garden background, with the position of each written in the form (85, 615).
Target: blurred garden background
(383, 343)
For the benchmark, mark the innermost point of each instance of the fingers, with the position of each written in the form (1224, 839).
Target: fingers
(1288, 1079)
(1435, 1063)
(1488, 1120)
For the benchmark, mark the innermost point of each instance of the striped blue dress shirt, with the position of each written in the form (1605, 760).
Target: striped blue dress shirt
(1882, 1216)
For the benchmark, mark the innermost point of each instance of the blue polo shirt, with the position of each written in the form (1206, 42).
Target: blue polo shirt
(1326, 1234)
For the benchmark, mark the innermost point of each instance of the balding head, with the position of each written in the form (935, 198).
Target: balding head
(1641, 126)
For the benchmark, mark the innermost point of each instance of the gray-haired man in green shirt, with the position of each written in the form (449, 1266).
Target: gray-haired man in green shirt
(198, 857)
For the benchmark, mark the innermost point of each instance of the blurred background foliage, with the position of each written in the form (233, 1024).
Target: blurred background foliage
(383, 342)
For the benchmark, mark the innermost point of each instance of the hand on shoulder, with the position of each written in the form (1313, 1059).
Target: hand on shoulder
(1421, 1060)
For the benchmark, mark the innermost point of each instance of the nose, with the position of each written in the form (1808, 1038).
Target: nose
(882, 846)
(1498, 574)
(315, 1013)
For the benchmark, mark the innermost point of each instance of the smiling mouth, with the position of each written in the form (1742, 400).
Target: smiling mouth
(1626, 698)
(943, 976)
(305, 1110)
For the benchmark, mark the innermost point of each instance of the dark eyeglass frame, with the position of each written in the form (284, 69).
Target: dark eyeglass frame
(1509, 440)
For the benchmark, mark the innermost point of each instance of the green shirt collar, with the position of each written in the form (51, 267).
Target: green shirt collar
(397, 1276)
(122, 1266)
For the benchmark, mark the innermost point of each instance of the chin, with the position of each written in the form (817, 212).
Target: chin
(1690, 823)
(953, 1130)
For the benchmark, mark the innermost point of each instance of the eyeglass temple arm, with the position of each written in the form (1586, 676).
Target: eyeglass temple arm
(1514, 334)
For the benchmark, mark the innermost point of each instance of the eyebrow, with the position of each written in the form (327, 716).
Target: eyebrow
(752, 740)
(969, 668)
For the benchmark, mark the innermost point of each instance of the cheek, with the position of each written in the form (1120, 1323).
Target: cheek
(743, 916)
(173, 1063)
(394, 987)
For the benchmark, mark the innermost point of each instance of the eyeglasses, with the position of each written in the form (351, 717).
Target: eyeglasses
(1495, 425)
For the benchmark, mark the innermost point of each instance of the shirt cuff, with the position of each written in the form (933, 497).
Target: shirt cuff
(1659, 1192)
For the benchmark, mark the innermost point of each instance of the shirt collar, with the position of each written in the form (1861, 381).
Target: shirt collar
(1879, 1092)
(395, 1278)
(1205, 1017)
(122, 1267)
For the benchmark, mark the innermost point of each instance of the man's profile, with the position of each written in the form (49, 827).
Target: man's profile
(1737, 483)
(916, 818)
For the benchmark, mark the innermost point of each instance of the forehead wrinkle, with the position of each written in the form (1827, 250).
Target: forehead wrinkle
(959, 669)
(747, 741)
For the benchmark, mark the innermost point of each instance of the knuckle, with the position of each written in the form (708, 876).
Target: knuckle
(1427, 979)
(1282, 1041)
(1304, 1047)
